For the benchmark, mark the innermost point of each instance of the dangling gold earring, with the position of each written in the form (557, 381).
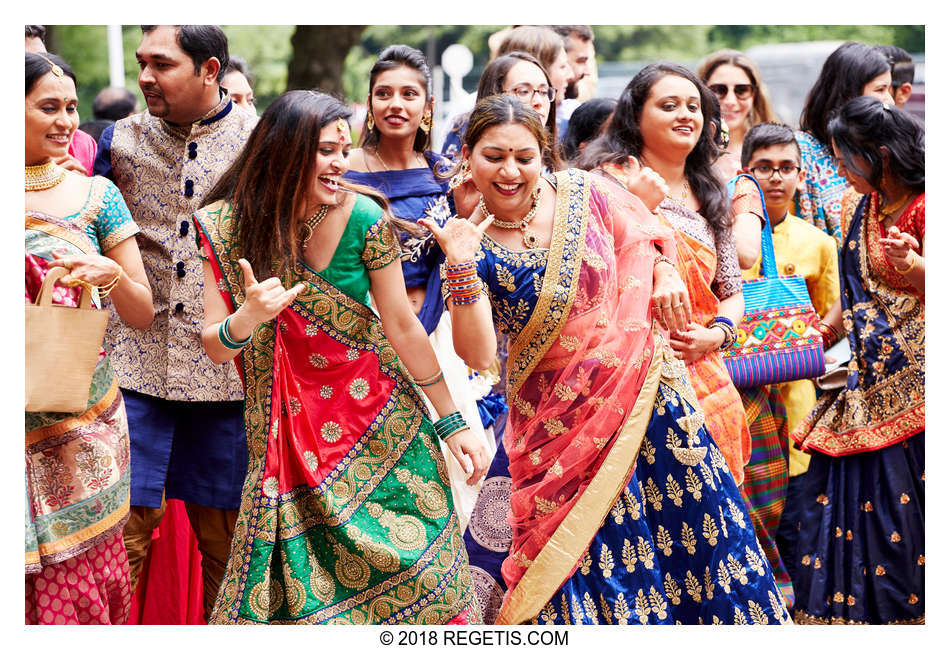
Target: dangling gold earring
(370, 124)
(426, 123)
(463, 174)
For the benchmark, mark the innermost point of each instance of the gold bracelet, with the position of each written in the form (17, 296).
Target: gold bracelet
(428, 381)
(910, 267)
(107, 289)
(104, 289)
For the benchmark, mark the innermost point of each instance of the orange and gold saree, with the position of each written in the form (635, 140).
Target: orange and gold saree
(696, 262)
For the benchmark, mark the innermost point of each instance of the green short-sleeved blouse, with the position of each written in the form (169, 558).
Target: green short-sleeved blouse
(367, 244)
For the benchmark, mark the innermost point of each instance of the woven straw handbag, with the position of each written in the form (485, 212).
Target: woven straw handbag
(62, 349)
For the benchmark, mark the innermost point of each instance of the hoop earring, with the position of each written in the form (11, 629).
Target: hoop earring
(370, 123)
(426, 123)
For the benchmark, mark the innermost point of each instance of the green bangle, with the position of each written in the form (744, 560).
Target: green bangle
(449, 435)
(224, 335)
(449, 424)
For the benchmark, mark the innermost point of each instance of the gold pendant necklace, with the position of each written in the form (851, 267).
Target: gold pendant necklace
(43, 177)
(383, 162)
(528, 236)
(682, 200)
(306, 228)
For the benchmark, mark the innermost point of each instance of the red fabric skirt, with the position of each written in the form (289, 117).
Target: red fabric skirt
(88, 589)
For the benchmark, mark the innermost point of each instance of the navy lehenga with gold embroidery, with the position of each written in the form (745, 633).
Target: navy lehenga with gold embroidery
(861, 529)
(659, 533)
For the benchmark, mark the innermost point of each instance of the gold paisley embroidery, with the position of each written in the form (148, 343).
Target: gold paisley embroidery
(351, 570)
(380, 246)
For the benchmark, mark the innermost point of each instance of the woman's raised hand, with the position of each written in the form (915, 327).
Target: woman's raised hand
(645, 183)
(264, 300)
(458, 238)
(899, 247)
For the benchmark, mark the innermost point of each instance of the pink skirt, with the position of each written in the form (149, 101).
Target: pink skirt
(88, 589)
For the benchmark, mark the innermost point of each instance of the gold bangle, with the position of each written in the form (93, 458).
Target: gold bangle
(429, 380)
(910, 267)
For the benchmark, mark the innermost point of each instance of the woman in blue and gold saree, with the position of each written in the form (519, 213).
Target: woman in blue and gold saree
(861, 528)
(346, 515)
(608, 502)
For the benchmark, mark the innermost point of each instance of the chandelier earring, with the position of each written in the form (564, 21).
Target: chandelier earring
(370, 123)
(426, 124)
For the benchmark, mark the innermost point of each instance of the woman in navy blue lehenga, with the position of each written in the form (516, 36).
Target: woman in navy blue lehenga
(394, 159)
(609, 502)
(861, 528)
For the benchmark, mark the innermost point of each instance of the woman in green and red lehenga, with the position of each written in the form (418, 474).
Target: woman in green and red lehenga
(346, 515)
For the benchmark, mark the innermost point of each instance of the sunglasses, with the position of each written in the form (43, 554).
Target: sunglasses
(742, 91)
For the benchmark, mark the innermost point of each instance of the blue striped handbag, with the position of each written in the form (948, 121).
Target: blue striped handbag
(777, 339)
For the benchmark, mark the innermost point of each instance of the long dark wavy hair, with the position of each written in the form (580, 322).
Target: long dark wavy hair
(622, 137)
(398, 56)
(843, 76)
(268, 184)
(865, 125)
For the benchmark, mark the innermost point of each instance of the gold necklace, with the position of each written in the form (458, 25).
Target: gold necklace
(383, 162)
(43, 177)
(682, 200)
(528, 236)
(886, 211)
(306, 228)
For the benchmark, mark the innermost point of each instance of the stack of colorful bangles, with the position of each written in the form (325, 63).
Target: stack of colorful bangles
(463, 283)
(448, 425)
(829, 334)
(225, 336)
(728, 328)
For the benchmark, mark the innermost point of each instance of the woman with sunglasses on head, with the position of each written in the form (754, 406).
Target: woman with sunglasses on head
(743, 100)
(861, 524)
(346, 515)
(603, 503)
(77, 464)
(852, 70)
(395, 160)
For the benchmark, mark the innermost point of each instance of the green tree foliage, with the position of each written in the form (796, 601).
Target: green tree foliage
(268, 50)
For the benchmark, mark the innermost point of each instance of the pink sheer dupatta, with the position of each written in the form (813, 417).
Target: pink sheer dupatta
(577, 369)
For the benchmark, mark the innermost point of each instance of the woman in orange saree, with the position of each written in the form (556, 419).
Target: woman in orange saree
(622, 509)
(659, 122)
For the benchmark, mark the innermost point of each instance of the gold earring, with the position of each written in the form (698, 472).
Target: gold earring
(370, 124)
(426, 123)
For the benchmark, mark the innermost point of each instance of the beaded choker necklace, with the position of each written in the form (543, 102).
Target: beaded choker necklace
(306, 228)
(528, 236)
(43, 177)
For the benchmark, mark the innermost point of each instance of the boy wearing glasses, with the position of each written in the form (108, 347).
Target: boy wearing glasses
(770, 153)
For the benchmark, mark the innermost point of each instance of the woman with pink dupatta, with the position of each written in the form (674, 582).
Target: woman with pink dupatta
(622, 508)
